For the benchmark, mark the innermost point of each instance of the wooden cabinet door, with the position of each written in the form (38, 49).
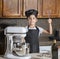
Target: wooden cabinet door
(0, 8)
(58, 8)
(49, 8)
(31, 4)
(12, 8)
(40, 8)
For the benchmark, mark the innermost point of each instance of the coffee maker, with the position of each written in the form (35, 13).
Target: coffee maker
(16, 46)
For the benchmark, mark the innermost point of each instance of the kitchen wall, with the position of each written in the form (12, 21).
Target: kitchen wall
(23, 22)
(41, 22)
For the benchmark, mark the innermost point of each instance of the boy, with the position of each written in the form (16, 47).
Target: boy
(34, 31)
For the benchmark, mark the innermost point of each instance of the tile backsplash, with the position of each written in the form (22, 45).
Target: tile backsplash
(23, 22)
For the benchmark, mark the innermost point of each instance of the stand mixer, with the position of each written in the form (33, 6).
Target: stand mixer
(15, 35)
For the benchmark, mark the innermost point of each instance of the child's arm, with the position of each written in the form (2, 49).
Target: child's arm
(50, 27)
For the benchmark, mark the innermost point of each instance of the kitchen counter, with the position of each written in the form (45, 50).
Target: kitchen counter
(41, 56)
(36, 56)
(1, 57)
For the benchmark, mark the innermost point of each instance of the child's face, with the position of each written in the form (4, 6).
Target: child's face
(32, 20)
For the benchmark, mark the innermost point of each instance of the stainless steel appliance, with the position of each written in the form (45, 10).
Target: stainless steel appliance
(16, 48)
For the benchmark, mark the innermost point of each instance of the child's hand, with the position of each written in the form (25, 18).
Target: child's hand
(49, 21)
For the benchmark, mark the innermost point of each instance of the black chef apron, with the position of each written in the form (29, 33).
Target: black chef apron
(32, 39)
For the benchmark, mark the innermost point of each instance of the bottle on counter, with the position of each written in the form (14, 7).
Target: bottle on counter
(54, 50)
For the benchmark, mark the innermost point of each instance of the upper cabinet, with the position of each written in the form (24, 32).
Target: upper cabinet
(17, 8)
(0, 8)
(32, 4)
(49, 8)
(29, 4)
(12, 8)
(58, 8)
(40, 8)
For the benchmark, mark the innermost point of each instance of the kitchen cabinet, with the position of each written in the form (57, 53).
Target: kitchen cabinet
(58, 8)
(50, 8)
(0, 8)
(29, 4)
(12, 8)
(32, 4)
(46, 8)
(17, 8)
